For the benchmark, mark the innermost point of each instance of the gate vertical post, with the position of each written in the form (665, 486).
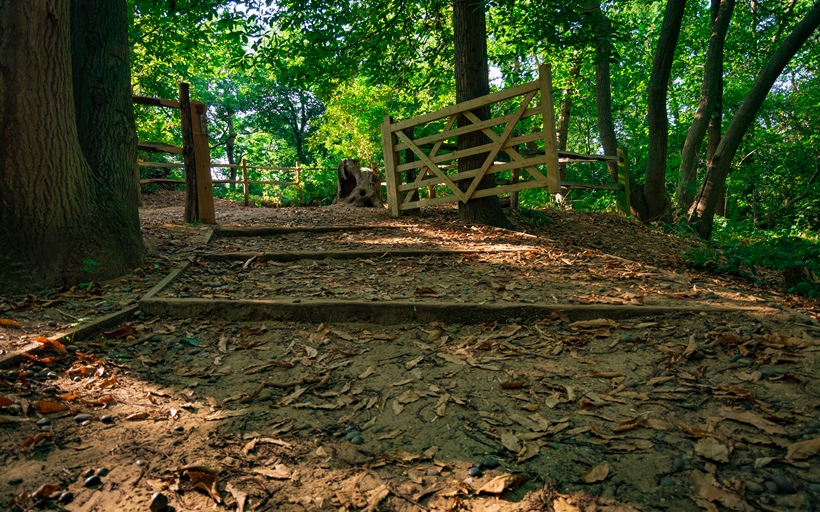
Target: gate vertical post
(245, 187)
(390, 159)
(188, 154)
(202, 153)
(548, 115)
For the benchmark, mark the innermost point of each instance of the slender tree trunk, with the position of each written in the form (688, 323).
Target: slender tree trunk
(62, 221)
(710, 98)
(472, 81)
(563, 121)
(230, 146)
(713, 135)
(702, 213)
(603, 90)
(650, 202)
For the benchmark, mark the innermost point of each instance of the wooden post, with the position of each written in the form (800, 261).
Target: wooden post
(191, 203)
(409, 156)
(390, 159)
(245, 179)
(548, 114)
(623, 181)
(202, 153)
(299, 184)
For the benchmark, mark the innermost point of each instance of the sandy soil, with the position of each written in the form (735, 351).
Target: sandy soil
(678, 412)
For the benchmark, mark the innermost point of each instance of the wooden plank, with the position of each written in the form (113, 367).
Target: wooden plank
(538, 160)
(391, 159)
(170, 278)
(315, 311)
(191, 207)
(488, 162)
(258, 182)
(202, 150)
(472, 151)
(548, 111)
(410, 197)
(569, 156)
(289, 256)
(432, 166)
(489, 123)
(481, 101)
(161, 165)
(232, 232)
(161, 180)
(155, 102)
(589, 186)
(159, 147)
(514, 154)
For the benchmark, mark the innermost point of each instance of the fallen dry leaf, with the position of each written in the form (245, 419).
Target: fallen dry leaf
(708, 488)
(279, 472)
(712, 449)
(503, 483)
(597, 473)
(752, 419)
(803, 449)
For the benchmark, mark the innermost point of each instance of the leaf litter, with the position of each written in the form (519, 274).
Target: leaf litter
(568, 409)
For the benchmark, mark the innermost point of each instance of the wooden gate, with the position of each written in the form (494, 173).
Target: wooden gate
(507, 134)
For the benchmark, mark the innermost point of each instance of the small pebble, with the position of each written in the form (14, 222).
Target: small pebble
(490, 463)
(768, 372)
(627, 338)
(357, 440)
(669, 383)
(87, 473)
(783, 483)
(771, 487)
(72, 348)
(140, 463)
(189, 359)
(12, 375)
(156, 338)
(815, 488)
(474, 471)
(107, 419)
(92, 481)
(213, 380)
(15, 481)
(52, 323)
(42, 422)
(193, 351)
(698, 355)
(735, 358)
(754, 488)
(66, 497)
(745, 405)
(158, 502)
(678, 463)
(353, 433)
(50, 390)
(85, 423)
(641, 346)
(773, 400)
(460, 417)
(179, 428)
(234, 330)
(667, 481)
(101, 472)
(82, 417)
(433, 472)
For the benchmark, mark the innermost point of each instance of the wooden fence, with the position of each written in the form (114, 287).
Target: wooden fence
(436, 166)
(245, 182)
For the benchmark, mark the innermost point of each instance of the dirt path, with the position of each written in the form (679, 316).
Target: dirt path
(676, 411)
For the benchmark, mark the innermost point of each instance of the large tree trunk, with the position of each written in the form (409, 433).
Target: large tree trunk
(650, 202)
(472, 81)
(603, 90)
(710, 99)
(702, 213)
(62, 221)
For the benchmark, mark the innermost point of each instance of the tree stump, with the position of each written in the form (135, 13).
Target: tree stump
(356, 187)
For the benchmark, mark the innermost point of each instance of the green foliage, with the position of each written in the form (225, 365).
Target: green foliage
(740, 249)
(90, 266)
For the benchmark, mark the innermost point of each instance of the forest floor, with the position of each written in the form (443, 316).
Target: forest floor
(605, 374)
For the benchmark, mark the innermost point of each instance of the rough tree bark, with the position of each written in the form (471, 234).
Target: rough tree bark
(702, 213)
(564, 113)
(650, 202)
(357, 188)
(472, 81)
(68, 200)
(603, 89)
(710, 99)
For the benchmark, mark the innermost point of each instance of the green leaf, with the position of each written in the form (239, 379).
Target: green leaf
(191, 341)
